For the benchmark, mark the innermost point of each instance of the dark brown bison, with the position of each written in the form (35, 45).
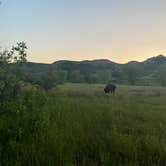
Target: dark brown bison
(110, 88)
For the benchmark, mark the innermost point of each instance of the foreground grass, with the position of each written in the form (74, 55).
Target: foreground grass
(80, 125)
(127, 127)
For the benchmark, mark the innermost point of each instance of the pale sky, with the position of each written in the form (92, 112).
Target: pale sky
(119, 30)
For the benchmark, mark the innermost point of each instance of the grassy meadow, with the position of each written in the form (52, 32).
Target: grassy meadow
(80, 125)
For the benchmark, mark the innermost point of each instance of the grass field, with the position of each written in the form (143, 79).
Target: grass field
(128, 128)
(83, 126)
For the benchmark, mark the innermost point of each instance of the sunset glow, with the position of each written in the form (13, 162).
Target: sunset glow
(117, 30)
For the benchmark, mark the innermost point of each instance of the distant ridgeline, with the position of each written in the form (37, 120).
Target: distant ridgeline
(149, 72)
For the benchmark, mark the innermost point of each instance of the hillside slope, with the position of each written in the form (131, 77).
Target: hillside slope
(148, 72)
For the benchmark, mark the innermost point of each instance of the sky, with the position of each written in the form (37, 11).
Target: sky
(118, 30)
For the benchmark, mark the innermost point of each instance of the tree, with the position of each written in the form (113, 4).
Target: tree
(76, 76)
(46, 81)
(104, 76)
(130, 73)
(9, 84)
(59, 76)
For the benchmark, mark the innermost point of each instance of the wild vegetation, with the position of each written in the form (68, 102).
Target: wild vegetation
(76, 124)
(80, 125)
(149, 72)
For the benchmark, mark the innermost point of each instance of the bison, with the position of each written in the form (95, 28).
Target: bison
(110, 88)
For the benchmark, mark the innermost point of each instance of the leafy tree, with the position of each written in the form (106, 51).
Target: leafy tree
(90, 77)
(130, 73)
(104, 76)
(76, 77)
(59, 76)
(46, 81)
(9, 84)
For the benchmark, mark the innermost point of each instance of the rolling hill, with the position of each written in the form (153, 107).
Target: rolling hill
(148, 72)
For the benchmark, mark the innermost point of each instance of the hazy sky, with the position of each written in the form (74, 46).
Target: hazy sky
(119, 30)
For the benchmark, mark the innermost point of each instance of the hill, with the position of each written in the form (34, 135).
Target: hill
(148, 72)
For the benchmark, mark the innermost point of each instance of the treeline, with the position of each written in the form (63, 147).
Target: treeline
(149, 72)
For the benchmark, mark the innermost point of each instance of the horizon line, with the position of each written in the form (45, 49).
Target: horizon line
(160, 55)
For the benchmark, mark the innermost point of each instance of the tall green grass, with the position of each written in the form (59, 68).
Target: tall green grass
(79, 125)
